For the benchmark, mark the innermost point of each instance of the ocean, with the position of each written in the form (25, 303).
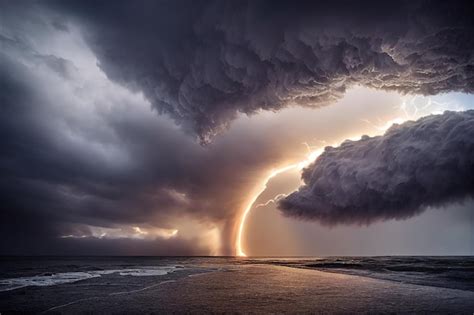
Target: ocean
(234, 284)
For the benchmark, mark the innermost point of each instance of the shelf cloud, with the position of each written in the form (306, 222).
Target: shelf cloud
(413, 166)
(203, 62)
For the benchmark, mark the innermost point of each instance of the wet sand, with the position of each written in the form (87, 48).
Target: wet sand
(276, 289)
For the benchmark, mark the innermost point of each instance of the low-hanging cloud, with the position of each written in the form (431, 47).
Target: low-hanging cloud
(78, 150)
(413, 166)
(203, 62)
(81, 152)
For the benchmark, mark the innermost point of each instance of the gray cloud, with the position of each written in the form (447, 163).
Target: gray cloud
(119, 165)
(413, 166)
(79, 150)
(202, 62)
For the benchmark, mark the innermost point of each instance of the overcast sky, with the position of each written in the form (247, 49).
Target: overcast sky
(144, 128)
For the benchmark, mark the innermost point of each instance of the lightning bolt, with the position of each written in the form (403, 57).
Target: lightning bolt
(261, 188)
(410, 108)
(273, 200)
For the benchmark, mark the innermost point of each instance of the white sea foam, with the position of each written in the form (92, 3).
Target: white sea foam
(70, 277)
(146, 272)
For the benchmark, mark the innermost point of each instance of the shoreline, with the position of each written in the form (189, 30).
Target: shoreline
(374, 277)
(270, 289)
(249, 288)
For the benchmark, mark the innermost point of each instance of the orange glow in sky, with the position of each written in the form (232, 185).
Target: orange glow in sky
(310, 158)
(300, 165)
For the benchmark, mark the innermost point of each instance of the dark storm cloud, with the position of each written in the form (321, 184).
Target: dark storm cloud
(419, 164)
(76, 152)
(203, 62)
(148, 174)
(79, 152)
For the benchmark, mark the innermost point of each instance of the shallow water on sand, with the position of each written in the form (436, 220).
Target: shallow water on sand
(229, 284)
(446, 272)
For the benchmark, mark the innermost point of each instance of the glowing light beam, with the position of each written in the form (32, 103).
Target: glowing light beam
(409, 104)
(261, 188)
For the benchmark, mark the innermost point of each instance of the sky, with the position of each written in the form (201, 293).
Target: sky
(149, 128)
(444, 230)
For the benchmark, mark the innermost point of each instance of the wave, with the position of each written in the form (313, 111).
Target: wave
(70, 277)
(448, 272)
